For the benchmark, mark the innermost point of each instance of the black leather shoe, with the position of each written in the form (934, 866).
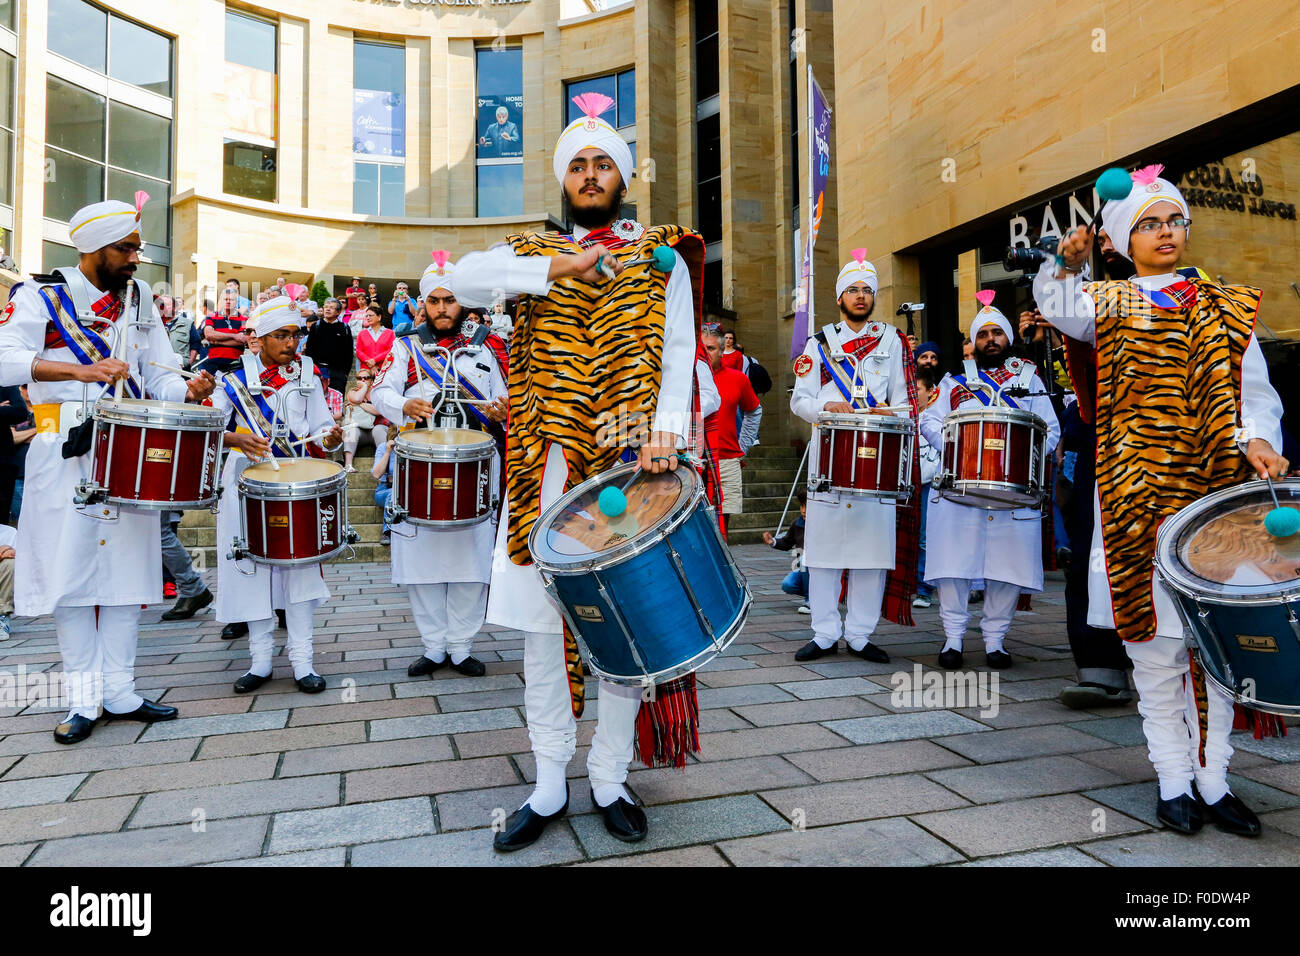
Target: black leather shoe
(311, 684)
(470, 667)
(1231, 815)
(811, 651)
(424, 665)
(186, 608)
(871, 653)
(73, 730)
(1183, 813)
(280, 622)
(234, 631)
(951, 659)
(624, 820)
(250, 682)
(526, 826)
(998, 660)
(149, 712)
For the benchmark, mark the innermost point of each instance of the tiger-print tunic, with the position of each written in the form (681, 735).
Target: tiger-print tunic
(585, 357)
(1168, 382)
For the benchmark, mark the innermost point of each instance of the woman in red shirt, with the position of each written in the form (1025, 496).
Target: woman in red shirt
(374, 342)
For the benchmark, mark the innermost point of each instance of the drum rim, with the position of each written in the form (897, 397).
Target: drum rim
(987, 486)
(632, 546)
(866, 422)
(177, 415)
(1175, 575)
(477, 451)
(294, 562)
(999, 414)
(274, 490)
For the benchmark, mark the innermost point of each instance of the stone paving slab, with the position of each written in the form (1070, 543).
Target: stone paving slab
(686, 856)
(713, 779)
(1138, 800)
(42, 741)
(1065, 856)
(357, 823)
(235, 800)
(334, 856)
(1210, 847)
(37, 790)
(807, 711)
(893, 842)
(316, 760)
(1021, 742)
(211, 726)
(679, 824)
(179, 776)
(470, 848)
(1018, 779)
(429, 778)
(848, 800)
(160, 846)
(923, 724)
(74, 759)
(869, 760)
(437, 724)
(1023, 824)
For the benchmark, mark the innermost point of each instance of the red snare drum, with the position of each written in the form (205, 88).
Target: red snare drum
(296, 515)
(154, 455)
(443, 477)
(862, 454)
(994, 458)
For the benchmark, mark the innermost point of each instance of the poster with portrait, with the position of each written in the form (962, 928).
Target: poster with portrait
(378, 123)
(500, 126)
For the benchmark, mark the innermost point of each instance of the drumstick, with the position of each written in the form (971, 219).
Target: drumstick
(179, 371)
(316, 437)
(419, 378)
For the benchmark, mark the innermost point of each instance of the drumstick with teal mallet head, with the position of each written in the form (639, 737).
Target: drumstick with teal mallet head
(1280, 522)
(1112, 185)
(661, 260)
(612, 501)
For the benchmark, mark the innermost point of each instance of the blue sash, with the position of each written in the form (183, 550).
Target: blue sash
(86, 345)
(256, 413)
(842, 375)
(419, 356)
(981, 395)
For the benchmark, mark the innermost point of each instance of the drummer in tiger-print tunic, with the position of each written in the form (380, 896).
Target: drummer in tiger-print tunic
(1002, 547)
(594, 353)
(1165, 439)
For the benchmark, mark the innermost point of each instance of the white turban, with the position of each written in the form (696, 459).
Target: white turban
(1119, 216)
(103, 223)
(277, 312)
(858, 269)
(988, 315)
(438, 275)
(592, 131)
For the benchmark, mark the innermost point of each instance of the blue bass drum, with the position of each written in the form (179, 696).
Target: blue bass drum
(651, 594)
(1238, 591)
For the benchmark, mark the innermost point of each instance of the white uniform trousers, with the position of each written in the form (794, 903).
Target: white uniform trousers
(99, 657)
(1167, 703)
(1000, 599)
(448, 616)
(866, 592)
(261, 643)
(552, 728)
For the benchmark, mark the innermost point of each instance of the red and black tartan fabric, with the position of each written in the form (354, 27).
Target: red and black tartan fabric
(859, 348)
(699, 445)
(109, 307)
(275, 378)
(900, 583)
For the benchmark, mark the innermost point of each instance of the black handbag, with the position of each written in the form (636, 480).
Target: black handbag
(78, 441)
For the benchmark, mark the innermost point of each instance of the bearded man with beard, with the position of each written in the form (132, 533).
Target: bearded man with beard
(856, 366)
(1002, 547)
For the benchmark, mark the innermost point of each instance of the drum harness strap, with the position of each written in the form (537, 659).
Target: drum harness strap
(842, 367)
(255, 411)
(64, 299)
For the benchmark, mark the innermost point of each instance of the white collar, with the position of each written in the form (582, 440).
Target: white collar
(1155, 282)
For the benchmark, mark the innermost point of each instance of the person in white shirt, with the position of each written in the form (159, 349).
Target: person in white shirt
(1159, 323)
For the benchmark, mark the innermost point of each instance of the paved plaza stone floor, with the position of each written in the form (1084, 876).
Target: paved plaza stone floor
(802, 765)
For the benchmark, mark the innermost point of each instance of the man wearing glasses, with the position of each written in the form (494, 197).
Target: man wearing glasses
(57, 336)
(401, 308)
(1164, 440)
(277, 325)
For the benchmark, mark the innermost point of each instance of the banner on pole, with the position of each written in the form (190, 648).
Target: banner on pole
(819, 166)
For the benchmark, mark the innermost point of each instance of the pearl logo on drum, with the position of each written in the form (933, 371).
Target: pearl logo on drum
(326, 521)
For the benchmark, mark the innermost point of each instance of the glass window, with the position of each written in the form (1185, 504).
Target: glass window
(378, 100)
(627, 99)
(139, 56)
(6, 129)
(6, 90)
(250, 41)
(365, 189)
(608, 85)
(706, 68)
(7, 21)
(138, 140)
(392, 191)
(709, 142)
(6, 167)
(70, 183)
(501, 190)
(74, 118)
(157, 211)
(55, 255)
(79, 32)
(500, 104)
(249, 170)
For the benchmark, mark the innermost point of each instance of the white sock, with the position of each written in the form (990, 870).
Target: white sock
(1174, 788)
(436, 658)
(300, 672)
(256, 670)
(992, 644)
(1213, 790)
(457, 658)
(549, 792)
(607, 793)
(860, 644)
(952, 644)
(823, 643)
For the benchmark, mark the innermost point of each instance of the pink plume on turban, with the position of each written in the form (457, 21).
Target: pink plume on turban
(141, 197)
(986, 296)
(440, 257)
(859, 255)
(593, 104)
(1147, 174)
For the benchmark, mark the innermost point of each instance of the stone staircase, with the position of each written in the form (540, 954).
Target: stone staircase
(768, 474)
(198, 532)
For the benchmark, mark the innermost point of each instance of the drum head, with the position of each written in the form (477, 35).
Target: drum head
(1218, 547)
(443, 436)
(292, 470)
(574, 532)
(149, 411)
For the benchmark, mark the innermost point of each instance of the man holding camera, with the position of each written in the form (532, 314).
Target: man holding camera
(401, 308)
(1156, 457)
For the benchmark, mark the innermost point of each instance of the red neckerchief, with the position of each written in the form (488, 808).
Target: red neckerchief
(605, 236)
(108, 307)
(453, 342)
(859, 348)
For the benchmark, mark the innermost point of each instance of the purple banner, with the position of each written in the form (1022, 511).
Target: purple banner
(378, 123)
(820, 166)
